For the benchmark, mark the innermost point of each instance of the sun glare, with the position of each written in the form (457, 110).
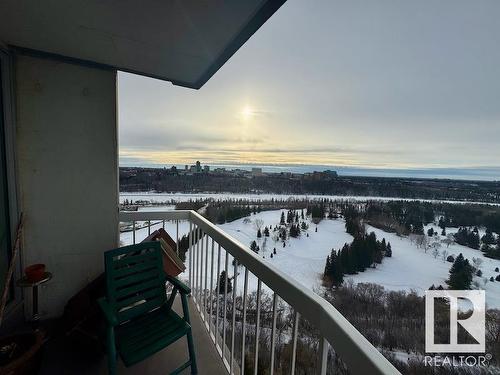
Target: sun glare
(246, 112)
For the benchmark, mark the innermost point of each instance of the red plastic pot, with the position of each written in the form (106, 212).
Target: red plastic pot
(35, 272)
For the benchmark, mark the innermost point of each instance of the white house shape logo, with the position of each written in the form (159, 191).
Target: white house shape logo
(474, 324)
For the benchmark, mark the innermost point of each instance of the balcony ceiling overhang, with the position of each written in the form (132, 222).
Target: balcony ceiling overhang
(183, 41)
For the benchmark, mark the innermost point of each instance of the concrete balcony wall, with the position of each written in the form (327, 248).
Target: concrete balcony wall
(66, 132)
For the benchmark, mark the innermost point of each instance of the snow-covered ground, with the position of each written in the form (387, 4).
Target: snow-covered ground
(303, 259)
(411, 268)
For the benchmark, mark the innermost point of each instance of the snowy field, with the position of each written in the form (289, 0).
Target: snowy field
(303, 259)
(412, 268)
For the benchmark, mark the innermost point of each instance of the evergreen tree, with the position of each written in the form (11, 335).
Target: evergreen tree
(282, 220)
(333, 269)
(337, 273)
(418, 228)
(442, 223)
(488, 238)
(469, 238)
(328, 268)
(222, 282)
(266, 231)
(254, 247)
(259, 234)
(294, 231)
(388, 250)
(460, 274)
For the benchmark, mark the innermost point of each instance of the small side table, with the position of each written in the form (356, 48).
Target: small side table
(25, 283)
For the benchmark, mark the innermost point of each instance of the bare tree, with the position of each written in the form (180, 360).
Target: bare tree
(476, 262)
(449, 240)
(421, 241)
(258, 224)
(435, 253)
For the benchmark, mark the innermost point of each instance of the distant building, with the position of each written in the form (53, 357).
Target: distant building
(256, 172)
(317, 176)
(206, 168)
(330, 173)
(198, 166)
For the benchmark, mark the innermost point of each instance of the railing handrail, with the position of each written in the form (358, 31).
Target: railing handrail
(355, 350)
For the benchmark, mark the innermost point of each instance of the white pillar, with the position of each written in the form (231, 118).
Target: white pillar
(67, 163)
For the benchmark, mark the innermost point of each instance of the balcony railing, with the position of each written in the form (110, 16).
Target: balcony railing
(212, 251)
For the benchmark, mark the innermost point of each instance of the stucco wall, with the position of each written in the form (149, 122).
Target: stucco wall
(67, 172)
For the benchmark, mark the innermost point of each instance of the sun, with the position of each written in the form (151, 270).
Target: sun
(247, 112)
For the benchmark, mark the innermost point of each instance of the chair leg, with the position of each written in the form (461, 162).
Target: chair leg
(192, 356)
(111, 351)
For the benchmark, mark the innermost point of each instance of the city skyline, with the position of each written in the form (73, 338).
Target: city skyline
(356, 85)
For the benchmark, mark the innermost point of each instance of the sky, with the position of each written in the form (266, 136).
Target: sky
(400, 85)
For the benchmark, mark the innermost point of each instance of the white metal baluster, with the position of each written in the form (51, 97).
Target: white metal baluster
(206, 277)
(177, 243)
(133, 232)
(257, 329)
(244, 322)
(197, 283)
(294, 341)
(323, 351)
(200, 280)
(226, 281)
(190, 254)
(196, 258)
(273, 332)
(235, 282)
(217, 293)
(211, 289)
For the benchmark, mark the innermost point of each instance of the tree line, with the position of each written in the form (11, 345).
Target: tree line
(363, 252)
(162, 180)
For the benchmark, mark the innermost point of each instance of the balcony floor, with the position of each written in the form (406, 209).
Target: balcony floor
(61, 358)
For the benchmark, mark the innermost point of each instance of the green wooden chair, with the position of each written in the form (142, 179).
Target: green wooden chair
(140, 319)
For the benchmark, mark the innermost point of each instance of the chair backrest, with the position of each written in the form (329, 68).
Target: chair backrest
(135, 282)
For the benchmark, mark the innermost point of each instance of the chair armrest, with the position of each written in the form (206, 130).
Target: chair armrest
(183, 288)
(107, 311)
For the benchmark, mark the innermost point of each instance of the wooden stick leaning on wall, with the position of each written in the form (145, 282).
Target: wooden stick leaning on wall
(10, 272)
